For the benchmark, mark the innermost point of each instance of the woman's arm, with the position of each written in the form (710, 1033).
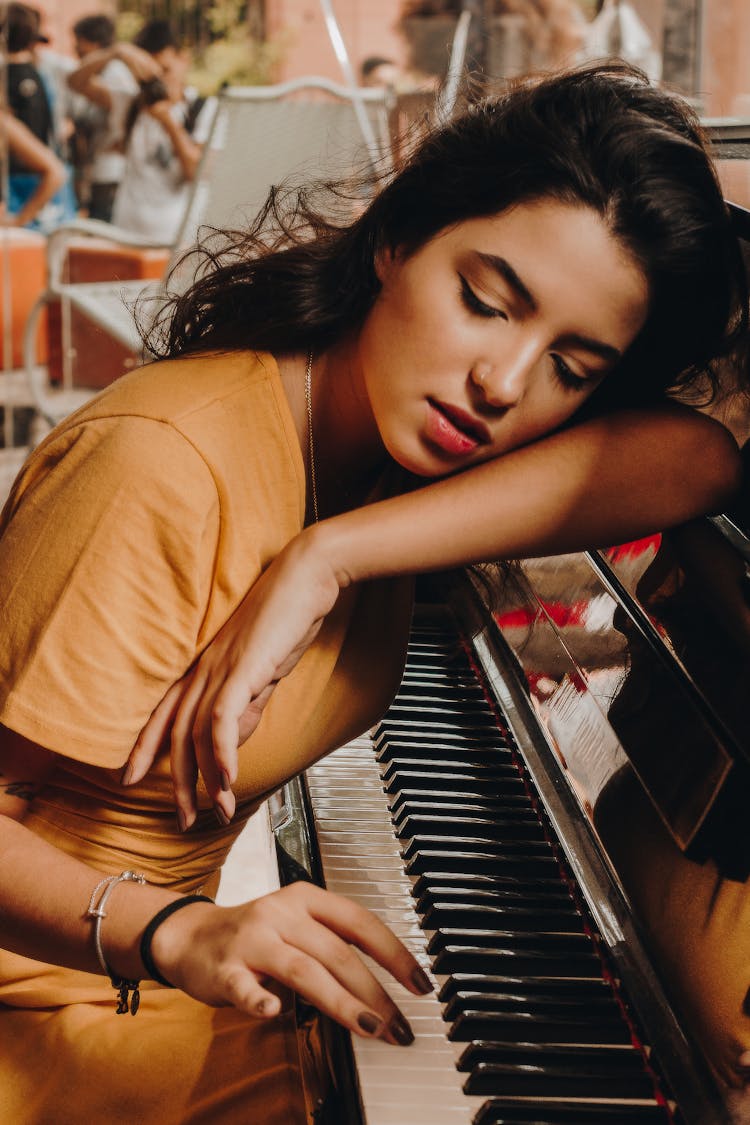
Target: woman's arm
(300, 936)
(606, 481)
(37, 157)
(609, 480)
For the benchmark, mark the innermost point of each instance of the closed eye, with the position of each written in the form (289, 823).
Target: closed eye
(566, 376)
(475, 305)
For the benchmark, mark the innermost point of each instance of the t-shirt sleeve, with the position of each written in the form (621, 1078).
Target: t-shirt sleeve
(107, 558)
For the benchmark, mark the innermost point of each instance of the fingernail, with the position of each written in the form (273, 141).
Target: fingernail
(221, 816)
(181, 821)
(400, 1030)
(264, 1007)
(368, 1022)
(225, 783)
(126, 775)
(421, 981)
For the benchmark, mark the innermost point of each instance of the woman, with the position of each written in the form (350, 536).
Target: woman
(564, 247)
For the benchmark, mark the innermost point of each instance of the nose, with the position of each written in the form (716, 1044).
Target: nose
(503, 380)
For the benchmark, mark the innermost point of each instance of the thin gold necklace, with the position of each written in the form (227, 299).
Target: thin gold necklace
(310, 439)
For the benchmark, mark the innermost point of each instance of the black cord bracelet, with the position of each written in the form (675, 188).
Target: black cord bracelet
(152, 927)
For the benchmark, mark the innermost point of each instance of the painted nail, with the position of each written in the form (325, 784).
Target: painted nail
(181, 820)
(369, 1022)
(126, 775)
(421, 981)
(221, 816)
(225, 782)
(400, 1030)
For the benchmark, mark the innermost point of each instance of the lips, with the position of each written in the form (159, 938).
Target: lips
(454, 430)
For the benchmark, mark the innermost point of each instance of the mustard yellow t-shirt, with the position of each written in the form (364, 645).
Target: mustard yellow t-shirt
(131, 535)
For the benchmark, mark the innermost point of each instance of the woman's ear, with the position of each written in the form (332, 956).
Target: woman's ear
(385, 258)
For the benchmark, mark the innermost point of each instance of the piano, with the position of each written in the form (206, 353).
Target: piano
(564, 727)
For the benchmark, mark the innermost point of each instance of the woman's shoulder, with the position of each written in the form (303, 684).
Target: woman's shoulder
(174, 390)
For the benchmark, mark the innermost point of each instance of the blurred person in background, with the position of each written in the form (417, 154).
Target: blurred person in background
(377, 70)
(164, 127)
(98, 143)
(39, 159)
(31, 101)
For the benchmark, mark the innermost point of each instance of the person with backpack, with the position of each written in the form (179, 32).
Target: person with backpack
(163, 126)
(30, 100)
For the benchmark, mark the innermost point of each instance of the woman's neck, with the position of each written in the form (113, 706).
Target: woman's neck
(349, 455)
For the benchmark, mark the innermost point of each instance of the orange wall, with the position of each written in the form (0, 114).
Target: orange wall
(366, 27)
(726, 61)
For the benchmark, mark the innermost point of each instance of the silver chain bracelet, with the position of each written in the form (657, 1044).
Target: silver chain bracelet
(97, 902)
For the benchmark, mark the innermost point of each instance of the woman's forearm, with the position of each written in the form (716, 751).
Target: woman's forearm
(606, 481)
(44, 894)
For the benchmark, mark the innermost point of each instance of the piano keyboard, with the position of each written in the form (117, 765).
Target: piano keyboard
(458, 859)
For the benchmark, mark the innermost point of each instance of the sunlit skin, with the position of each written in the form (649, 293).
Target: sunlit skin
(491, 335)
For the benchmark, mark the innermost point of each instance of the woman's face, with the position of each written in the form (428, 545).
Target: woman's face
(495, 332)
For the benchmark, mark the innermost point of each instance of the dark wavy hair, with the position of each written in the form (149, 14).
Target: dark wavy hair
(596, 136)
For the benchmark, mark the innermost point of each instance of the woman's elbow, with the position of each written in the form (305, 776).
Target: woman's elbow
(720, 465)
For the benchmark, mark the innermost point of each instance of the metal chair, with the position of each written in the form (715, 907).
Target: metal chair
(309, 128)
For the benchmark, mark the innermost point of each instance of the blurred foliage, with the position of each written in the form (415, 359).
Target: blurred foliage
(235, 60)
(216, 34)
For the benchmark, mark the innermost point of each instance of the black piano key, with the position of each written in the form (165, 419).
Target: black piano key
(468, 844)
(589, 991)
(433, 884)
(438, 801)
(538, 1070)
(452, 779)
(454, 741)
(495, 938)
(430, 751)
(481, 861)
(513, 961)
(517, 824)
(502, 1111)
(397, 768)
(539, 1024)
(439, 895)
(472, 716)
(515, 998)
(501, 915)
(420, 690)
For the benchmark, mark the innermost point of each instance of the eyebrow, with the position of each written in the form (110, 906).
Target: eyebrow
(504, 269)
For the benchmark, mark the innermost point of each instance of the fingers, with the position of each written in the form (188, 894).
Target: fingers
(153, 737)
(359, 995)
(362, 928)
(182, 755)
(244, 991)
(315, 973)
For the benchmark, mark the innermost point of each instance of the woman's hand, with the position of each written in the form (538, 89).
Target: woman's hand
(300, 936)
(218, 704)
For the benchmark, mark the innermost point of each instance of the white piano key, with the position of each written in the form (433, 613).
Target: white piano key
(361, 858)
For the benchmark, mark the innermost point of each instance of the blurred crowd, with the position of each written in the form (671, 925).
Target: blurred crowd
(113, 133)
